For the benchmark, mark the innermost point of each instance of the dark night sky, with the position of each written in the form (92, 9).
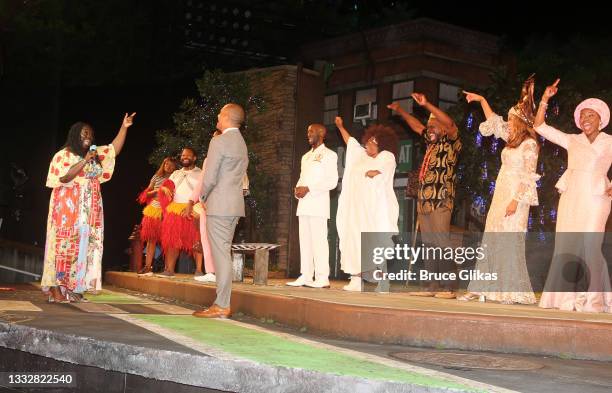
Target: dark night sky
(38, 118)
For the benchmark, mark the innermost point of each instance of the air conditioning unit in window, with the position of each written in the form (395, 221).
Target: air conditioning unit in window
(362, 112)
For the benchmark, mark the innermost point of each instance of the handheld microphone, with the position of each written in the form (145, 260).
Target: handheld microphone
(94, 149)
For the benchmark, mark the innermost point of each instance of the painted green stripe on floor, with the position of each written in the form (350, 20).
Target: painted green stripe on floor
(270, 349)
(115, 298)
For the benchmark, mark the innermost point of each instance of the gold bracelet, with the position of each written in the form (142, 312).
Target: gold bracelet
(544, 104)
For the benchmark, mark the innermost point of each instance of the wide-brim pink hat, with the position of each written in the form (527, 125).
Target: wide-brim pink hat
(598, 106)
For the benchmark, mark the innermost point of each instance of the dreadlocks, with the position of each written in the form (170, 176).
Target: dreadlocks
(73, 140)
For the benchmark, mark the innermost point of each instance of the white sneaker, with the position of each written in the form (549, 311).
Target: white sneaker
(354, 285)
(208, 277)
(319, 283)
(300, 282)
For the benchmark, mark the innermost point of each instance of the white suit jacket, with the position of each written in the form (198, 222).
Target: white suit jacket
(319, 172)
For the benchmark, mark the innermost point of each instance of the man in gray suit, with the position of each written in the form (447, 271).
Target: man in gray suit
(222, 196)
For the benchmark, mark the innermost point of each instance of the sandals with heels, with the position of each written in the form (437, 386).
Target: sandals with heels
(55, 296)
(77, 298)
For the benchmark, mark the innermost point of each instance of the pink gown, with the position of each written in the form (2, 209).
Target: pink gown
(209, 265)
(584, 207)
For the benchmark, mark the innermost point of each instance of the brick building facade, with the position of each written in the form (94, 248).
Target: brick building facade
(378, 66)
(293, 97)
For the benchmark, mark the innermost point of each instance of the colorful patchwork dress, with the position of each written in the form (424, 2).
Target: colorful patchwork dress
(75, 226)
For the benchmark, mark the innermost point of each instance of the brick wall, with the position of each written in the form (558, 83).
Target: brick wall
(274, 148)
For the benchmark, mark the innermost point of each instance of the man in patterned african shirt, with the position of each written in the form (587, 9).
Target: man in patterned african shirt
(436, 193)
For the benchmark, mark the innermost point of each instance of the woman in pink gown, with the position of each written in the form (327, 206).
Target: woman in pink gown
(200, 211)
(583, 210)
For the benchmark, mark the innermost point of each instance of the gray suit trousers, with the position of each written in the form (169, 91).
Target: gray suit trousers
(220, 231)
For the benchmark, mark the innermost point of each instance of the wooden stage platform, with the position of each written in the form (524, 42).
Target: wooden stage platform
(397, 318)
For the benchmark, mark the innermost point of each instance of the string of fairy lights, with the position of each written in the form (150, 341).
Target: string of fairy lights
(539, 214)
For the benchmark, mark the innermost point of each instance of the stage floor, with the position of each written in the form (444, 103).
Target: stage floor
(140, 335)
(397, 318)
(395, 300)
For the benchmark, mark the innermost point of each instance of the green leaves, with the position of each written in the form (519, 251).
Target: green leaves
(194, 124)
(581, 64)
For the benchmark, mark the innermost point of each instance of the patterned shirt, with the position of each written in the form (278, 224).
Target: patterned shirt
(157, 181)
(437, 180)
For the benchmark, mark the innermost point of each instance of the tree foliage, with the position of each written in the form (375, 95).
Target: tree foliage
(194, 124)
(581, 65)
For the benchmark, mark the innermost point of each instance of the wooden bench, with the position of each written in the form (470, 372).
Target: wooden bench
(262, 256)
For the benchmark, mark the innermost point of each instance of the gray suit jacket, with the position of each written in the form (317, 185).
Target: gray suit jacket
(226, 166)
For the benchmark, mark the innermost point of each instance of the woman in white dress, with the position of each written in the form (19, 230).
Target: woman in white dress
(515, 192)
(584, 207)
(367, 202)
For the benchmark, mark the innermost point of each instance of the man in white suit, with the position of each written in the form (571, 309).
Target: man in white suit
(319, 175)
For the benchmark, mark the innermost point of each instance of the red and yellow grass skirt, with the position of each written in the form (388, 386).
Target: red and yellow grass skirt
(178, 232)
(151, 224)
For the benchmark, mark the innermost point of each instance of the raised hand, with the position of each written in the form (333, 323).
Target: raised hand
(551, 90)
(339, 122)
(471, 97)
(394, 106)
(419, 99)
(128, 120)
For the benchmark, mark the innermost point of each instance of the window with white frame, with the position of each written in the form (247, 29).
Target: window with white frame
(363, 97)
(402, 92)
(448, 95)
(330, 109)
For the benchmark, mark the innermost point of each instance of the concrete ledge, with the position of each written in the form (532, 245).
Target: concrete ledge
(577, 339)
(203, 371)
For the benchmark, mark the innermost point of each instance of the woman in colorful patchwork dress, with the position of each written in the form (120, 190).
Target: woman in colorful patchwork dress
(75, 226)
(150, 226)
(515, 192)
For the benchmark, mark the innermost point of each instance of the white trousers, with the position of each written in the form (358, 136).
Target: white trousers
(314, 248)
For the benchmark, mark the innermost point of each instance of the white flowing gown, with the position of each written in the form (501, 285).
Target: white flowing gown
(365, 204)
